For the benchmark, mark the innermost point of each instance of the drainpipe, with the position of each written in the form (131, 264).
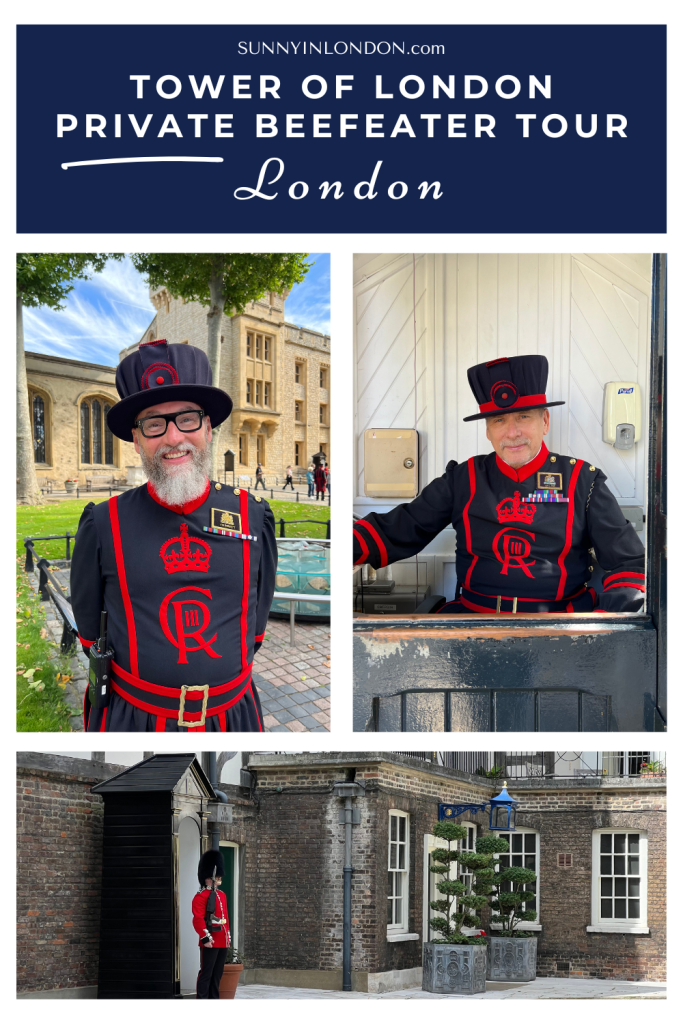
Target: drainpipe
(222, 798)
(348, 816)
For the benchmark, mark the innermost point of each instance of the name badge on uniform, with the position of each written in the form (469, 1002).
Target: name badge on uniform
(226, 520)
(549, 481)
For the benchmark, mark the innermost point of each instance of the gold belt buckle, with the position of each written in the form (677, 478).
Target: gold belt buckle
(183, 691)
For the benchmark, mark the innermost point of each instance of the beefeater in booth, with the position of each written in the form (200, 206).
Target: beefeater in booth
(525, 518)
(210, 921)
(184, 566)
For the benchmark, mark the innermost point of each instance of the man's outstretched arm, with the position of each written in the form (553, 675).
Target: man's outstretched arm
(385, 537)
(618, 550)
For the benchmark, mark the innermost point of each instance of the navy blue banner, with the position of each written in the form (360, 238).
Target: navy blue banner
(511, 128)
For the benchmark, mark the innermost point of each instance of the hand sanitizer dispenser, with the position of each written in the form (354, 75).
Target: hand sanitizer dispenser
(621, 414)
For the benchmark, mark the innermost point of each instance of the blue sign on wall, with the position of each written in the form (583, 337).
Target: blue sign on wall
(514, 128)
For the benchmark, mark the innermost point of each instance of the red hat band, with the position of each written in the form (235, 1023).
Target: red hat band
(518, 403)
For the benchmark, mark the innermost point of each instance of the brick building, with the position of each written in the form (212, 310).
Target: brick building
(287, 848)
(277, 373)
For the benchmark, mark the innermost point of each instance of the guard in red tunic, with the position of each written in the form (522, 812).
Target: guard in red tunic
(525, 518)
(210, 921)
(184, 567)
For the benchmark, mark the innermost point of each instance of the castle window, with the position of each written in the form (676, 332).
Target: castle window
(38, 425)
(323, 377)
(250, 345)
(399, 868)
(266, 395)
(249, 392)
(298, 372)
(296, 454)
(298, 413)
(267, 349)
(259, 339)
(619, 881)
(323, 415)
(244, 457)
(97, 441)
(261, 449)
(258, 392)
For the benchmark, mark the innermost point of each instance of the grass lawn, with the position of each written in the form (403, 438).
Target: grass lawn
(40, 520)
(291, 510)
(42, 671)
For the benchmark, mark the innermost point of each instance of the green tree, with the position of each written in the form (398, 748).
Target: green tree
(508, 889)
(222, 281)
(43, 279)
(458, 908)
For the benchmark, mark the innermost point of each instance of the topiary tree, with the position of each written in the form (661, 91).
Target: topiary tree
(458, 907)
(504, 901)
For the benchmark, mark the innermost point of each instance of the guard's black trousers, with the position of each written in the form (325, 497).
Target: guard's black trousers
(211, 967)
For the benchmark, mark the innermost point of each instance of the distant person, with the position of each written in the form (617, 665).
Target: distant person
(327, 478)
(320, 483)
(289, 481)
(260, 478)
(310, 480)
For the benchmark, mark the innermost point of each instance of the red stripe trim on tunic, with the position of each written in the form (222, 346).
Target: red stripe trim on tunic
(466, 521)
(623, 575)
(383, 557)
(521, 403)
(365, 550)
(570, 527)
(222, 722)
(174, 691)
(246, 555)
(86, 643)
(121, 571)
(152, 709)
(160, 724)
(259, 639)
(258, 717)
(104, 720)
(624, 583)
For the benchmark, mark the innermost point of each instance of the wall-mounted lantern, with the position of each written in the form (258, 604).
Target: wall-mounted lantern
(502, 811)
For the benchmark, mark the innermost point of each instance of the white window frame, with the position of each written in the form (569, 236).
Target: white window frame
(400, 927)
(527, 926)
(623, 926)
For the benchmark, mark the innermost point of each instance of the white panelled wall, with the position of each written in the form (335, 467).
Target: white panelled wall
(589, 314)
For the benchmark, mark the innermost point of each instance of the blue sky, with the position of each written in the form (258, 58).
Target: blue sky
(112, 310)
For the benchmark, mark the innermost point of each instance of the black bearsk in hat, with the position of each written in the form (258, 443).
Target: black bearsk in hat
(208, 862)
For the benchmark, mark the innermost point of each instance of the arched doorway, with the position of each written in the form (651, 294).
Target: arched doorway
(188, 859)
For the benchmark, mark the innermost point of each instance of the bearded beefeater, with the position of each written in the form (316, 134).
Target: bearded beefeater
(525, 518)
(184, 566)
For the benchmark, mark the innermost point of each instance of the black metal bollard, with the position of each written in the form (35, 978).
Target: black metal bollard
(282, 528)
(68, 546)
(297, 497)
(271, 493)
(42, 582)
(327, 533)
(28, 564)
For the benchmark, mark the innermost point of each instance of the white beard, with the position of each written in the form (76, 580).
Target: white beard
(178, 485)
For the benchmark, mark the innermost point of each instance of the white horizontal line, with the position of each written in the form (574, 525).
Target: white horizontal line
(148, 160)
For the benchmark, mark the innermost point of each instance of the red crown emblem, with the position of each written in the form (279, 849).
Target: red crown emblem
(189, 557)
(513, 510)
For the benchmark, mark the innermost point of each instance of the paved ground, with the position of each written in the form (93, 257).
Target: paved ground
(293, 682)
(542, 988)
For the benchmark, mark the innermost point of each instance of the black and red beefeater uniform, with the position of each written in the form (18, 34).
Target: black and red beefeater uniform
(536, 551)
(187, 608)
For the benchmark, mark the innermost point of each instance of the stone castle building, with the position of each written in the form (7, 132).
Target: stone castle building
(278, 375)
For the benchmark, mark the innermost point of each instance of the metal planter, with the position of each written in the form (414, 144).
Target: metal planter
(511, 959)
(454, 970)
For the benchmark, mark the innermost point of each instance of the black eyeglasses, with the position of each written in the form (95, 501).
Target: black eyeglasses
(186, 422)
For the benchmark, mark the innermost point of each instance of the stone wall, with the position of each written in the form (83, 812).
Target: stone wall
(63, 384)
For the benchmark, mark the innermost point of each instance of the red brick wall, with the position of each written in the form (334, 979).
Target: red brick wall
(59, 853)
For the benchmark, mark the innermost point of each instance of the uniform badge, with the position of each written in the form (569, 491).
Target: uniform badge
(226, 520)
(549, 481)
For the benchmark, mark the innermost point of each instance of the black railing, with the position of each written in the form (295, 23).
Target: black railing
(549, 764)
(318, 522)
(49, 592)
